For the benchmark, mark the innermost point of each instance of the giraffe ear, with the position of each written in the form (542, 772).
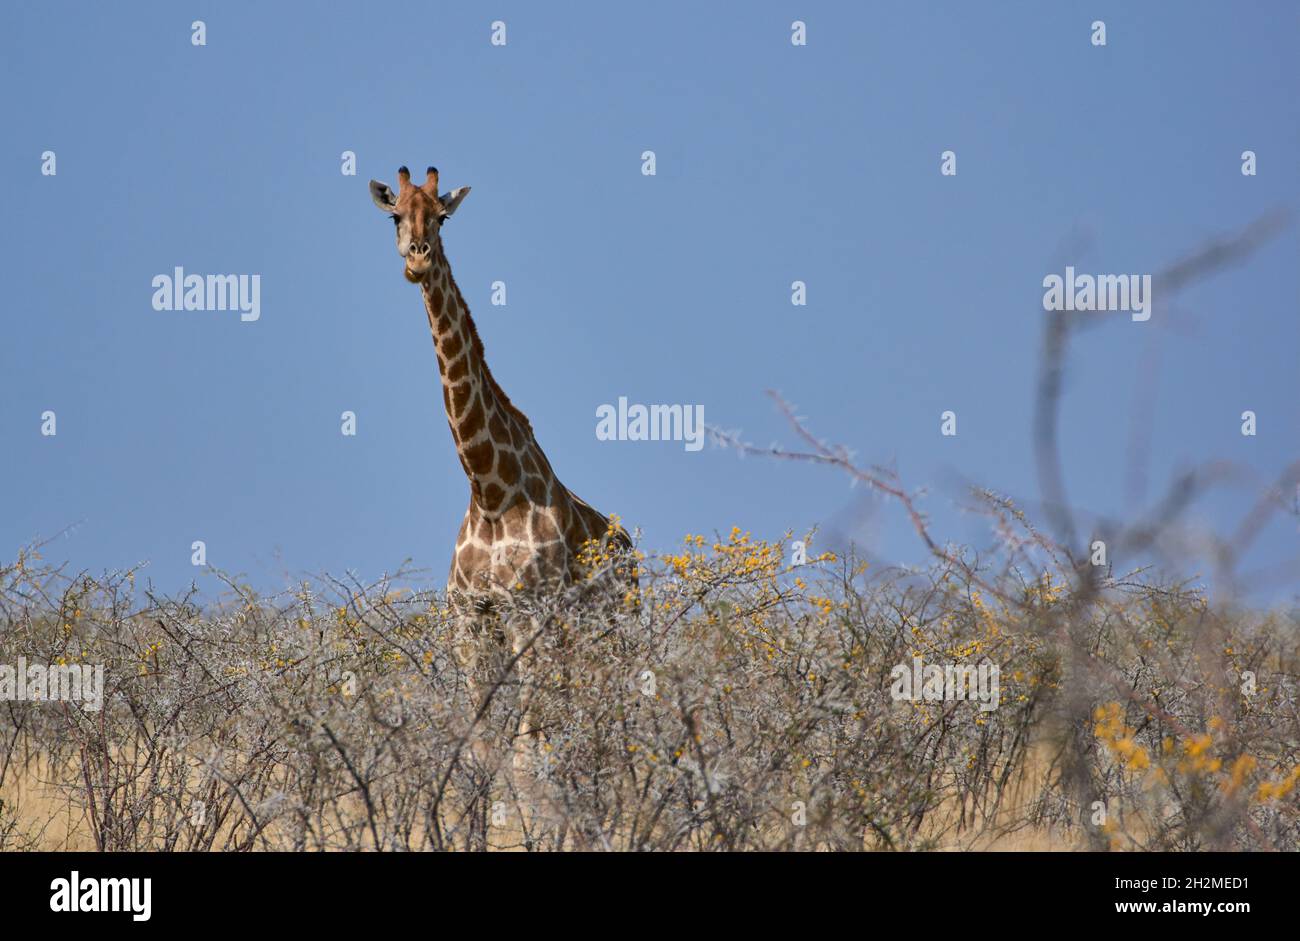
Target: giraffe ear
(451, 200)
(383, 196)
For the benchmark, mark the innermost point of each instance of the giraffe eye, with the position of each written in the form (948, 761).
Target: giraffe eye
(396, 220)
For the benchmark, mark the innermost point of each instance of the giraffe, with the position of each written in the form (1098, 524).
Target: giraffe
(523, 528)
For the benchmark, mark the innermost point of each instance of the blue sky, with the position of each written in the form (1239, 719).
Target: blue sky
(774, 163)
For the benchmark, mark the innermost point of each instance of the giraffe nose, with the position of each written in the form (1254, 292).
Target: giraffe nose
(420, 249)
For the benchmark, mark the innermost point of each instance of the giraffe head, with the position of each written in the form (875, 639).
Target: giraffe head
(419, 213)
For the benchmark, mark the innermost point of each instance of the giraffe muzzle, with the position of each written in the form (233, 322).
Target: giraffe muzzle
(418, 261)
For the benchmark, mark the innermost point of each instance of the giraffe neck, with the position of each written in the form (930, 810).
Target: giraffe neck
(494, 439)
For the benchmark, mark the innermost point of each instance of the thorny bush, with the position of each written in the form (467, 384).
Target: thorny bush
(734, 701)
